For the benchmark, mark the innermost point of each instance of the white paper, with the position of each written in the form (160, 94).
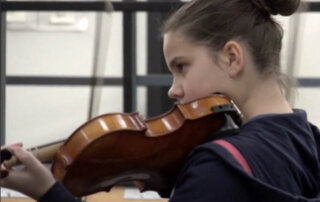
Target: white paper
(10, 193)
(134, 193)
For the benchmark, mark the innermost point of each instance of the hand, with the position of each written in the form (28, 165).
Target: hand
(33, 179)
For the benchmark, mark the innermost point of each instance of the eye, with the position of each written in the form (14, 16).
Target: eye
(181, 67)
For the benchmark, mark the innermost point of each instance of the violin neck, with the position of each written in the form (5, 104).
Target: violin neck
(44, 153)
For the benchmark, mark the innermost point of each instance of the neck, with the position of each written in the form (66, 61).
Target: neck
(264, 98)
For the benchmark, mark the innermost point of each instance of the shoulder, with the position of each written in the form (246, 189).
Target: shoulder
(211, 154)
(208, 177)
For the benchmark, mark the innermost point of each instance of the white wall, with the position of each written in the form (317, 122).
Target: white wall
(41, 114)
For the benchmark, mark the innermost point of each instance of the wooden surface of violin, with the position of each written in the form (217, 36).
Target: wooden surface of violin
(116, 148)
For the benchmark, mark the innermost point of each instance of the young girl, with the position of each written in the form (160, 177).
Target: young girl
(232, 47)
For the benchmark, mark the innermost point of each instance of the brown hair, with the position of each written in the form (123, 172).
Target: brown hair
(215, 22)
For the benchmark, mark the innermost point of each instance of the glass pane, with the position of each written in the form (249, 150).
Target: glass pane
(142, 101)
(43, 45)
(39, 115)
(114, 59)
(60, 0)
(308, 99)
(62, 43)
(142, 31)
(111, 100)
(309, 60)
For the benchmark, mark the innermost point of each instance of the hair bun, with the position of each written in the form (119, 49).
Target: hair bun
(274, 7)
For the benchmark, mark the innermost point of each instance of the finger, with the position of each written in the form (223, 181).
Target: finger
(4, 175)
(4, 172)
(25, 157)
(7, 157)
(14, 179)
(18, 144)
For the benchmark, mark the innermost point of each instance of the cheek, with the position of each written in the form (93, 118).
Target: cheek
(199, 86)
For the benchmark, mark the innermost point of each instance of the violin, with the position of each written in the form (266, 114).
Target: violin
(117, 147)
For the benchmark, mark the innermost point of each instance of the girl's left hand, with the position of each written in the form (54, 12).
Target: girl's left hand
(32, 178)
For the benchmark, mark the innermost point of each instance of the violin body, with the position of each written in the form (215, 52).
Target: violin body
(116, 148)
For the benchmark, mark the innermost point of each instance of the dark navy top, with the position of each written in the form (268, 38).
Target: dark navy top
(282, 151)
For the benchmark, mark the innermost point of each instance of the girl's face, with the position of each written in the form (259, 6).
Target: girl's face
(195, 72)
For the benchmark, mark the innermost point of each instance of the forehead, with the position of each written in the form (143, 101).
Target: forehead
(176, 44)
(175, 41)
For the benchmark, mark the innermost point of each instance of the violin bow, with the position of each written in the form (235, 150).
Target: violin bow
(102, 39)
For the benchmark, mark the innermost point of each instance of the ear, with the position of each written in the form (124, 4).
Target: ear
(234, 57)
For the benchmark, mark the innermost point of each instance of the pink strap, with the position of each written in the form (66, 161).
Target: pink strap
(236, 154)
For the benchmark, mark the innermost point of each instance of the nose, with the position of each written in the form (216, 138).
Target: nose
(176, 91)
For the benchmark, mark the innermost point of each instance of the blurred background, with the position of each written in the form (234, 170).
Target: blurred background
(61, 68)
(55, 61)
